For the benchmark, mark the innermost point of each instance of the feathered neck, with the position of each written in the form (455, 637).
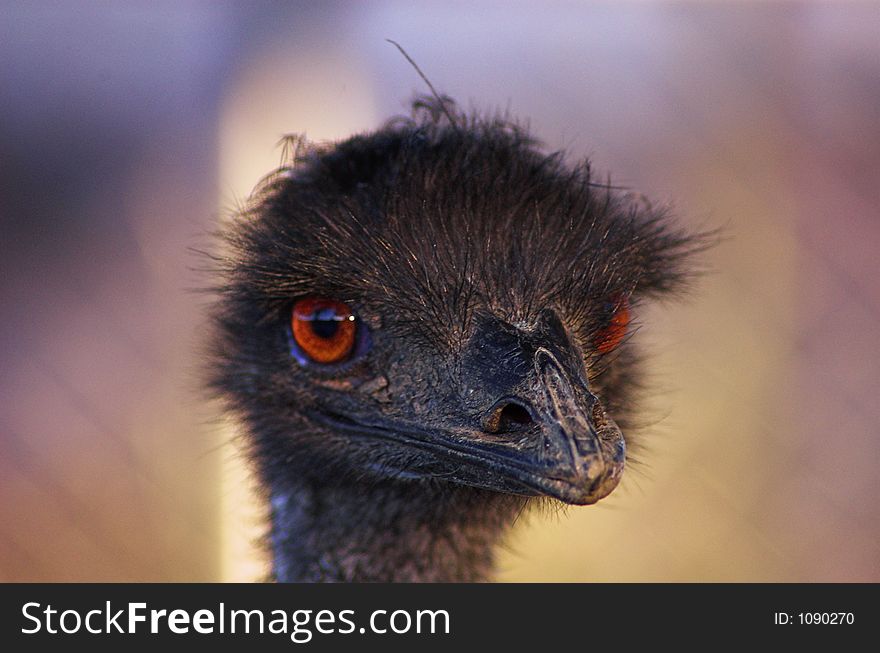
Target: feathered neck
(391, 532)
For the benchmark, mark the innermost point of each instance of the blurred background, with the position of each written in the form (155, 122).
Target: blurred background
(129, 130)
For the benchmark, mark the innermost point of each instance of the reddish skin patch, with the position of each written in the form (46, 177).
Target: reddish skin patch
(612, 335)
(317, 346)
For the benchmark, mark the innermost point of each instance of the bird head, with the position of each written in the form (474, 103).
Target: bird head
(440, 301)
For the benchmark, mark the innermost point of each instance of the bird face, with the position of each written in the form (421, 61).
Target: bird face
(439, 304)
(510, 409)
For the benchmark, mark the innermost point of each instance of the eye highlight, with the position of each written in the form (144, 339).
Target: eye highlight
(610, 336)
(324, 331)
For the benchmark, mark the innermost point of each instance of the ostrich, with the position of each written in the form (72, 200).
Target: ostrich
(422, 331)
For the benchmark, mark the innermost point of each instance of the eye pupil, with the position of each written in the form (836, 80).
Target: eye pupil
(325, 323)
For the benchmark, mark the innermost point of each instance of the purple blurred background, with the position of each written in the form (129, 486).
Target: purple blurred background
(128, 130)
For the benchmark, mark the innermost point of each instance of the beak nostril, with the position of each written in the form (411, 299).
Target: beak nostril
(507, 417)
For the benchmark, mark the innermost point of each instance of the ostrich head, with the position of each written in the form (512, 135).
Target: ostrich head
(439, 304)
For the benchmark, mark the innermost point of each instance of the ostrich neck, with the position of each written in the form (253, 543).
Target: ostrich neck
(387, 532)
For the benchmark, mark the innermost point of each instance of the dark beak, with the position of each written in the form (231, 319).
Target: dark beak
(567, 447)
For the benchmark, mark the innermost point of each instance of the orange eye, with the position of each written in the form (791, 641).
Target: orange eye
(323, 329)
(611, 336)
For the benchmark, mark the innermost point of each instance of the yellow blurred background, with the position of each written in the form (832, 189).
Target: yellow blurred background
(129, 130)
